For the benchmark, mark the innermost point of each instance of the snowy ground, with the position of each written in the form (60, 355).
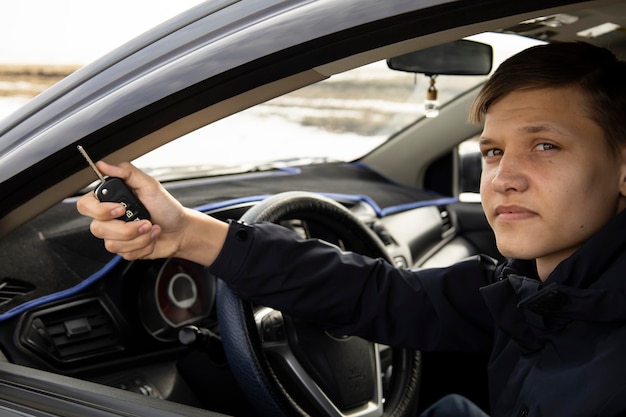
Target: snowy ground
(260, 136)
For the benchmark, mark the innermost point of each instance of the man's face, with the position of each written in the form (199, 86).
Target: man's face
(549, 178)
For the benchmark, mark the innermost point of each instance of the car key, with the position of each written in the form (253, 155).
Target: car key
(113, 189)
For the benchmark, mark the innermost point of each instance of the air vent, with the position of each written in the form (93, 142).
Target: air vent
(383, 234)
(73, 332)
(446, 221)
(12, 288)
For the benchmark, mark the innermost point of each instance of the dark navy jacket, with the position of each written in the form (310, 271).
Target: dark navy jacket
(558, 348)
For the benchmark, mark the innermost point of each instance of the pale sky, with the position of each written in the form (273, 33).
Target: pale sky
(76, 31)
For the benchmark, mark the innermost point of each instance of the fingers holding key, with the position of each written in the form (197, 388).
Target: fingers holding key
(134, 240)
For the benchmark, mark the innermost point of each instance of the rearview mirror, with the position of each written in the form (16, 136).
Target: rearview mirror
(461, 57)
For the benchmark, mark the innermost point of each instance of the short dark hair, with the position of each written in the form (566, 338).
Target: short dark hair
(596, 71)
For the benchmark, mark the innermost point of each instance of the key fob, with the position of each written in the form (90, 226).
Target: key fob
(113, 189)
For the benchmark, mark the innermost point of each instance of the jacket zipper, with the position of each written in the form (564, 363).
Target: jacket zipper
(523, 411)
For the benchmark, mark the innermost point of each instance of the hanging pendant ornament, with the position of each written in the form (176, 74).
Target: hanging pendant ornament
(431, 104)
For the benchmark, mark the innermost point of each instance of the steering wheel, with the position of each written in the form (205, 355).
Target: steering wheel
(289, 368)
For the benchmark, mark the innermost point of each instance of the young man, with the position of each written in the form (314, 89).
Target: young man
(553, 189)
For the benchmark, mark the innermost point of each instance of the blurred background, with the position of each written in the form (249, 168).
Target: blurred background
(45, 40)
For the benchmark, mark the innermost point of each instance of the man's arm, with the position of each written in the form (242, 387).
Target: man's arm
(351, 294)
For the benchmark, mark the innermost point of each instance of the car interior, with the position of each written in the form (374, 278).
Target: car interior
(84, 332)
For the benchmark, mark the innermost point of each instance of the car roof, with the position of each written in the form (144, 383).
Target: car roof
(218, 58)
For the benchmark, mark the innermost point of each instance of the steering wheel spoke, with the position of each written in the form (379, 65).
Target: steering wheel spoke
(274, 333)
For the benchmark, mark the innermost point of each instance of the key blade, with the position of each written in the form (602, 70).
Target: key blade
(90, 162)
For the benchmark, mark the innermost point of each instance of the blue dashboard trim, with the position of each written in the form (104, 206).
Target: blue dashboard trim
(380, 212)
(59, 295)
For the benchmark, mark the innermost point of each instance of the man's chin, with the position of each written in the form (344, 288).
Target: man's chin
(515, 251)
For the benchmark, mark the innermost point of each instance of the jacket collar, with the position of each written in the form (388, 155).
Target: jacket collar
(597, 254)
(585, 286)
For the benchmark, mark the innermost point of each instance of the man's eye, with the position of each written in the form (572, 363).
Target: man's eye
(545, 146)
(490, 153)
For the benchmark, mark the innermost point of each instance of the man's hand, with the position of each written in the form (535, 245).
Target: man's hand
(165, 235)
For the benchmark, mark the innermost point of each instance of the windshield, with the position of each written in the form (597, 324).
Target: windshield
(338, 119)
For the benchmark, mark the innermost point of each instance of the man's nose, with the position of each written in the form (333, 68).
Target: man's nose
(510, 174)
